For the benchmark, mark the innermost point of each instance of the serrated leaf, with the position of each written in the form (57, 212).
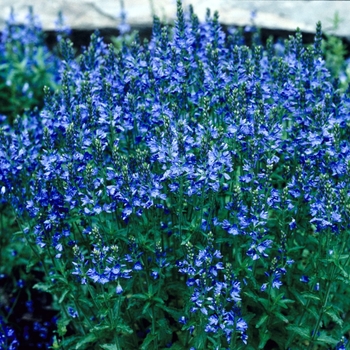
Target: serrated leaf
(331, 313)
(303, 332)
(124, 329)
(326, 339)
(85, 340)
(283, 302)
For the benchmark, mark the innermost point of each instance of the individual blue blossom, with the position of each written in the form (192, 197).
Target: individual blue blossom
(257, 250)
(292, 224)
(155, 274)
(235, 291)
(263, 287)
(304, 279)
(119, 289)
(72, 312)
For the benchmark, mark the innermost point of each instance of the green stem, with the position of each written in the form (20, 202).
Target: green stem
(79, 316)
(233, 341)
(36, 253)
(324, 306)
(12, 307)
(154, 333)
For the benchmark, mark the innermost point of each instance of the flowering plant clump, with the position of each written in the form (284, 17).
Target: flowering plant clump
(190, 192)
(26, 66)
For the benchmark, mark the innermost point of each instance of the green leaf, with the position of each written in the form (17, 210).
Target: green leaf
(148, 340)
(176, 314)
(301, 331)
(109, 347)
(42, 287)
(262, 320)
(85, 340)
(99, 328)
(139, 296)
(158, 300)
(4, 66)
(264, 302)
(124, 329)
(326, 339)
(299, 297)
(309, 295)
(314, 311)
(63, 296)
(281, 317)
(67, 343)
(86, 302)
(331, 313)
(146, 307)
(344, 273)
(283, 302)
(62, 326)
(177, 346)
(264, 337)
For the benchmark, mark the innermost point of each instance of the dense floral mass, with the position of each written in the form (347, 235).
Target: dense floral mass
(189, 192)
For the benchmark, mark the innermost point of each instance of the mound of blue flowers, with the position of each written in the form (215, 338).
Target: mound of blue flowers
(189, 192)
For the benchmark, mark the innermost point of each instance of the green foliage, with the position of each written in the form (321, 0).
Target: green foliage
(126, 39)
(26, 66)
(335, 53)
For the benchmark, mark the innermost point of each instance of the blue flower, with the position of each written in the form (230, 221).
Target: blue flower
(292, 224)
(235, 291)
(72, 312)
(119, 289)
(257, 250)
(304, 279)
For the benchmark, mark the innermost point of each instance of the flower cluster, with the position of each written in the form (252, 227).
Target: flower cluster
(8, 340)
(215, 295)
